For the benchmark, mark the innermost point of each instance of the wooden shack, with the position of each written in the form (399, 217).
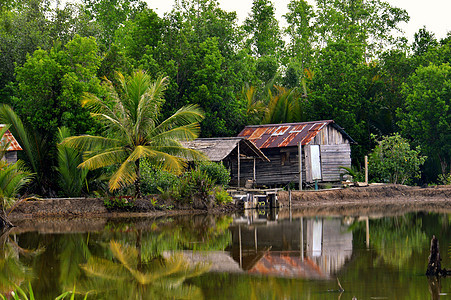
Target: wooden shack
(232, 152)
(10, 145)
(324, 148)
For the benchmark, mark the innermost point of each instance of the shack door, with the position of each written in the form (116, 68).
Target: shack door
(316, 162)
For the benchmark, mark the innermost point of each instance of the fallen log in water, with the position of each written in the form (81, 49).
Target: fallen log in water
(434, 262)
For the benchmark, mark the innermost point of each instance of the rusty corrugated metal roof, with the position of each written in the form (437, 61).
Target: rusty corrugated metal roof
(288, 134)
(287, 266)
(9, 138)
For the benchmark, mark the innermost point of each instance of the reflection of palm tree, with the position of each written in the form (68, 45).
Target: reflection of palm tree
(12, 271)
(125, 278)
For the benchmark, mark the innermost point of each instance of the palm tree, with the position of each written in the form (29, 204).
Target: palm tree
(284, 106)
(36, 150)
(71, 178)
(134, 131)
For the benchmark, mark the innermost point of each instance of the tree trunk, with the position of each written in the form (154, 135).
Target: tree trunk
(138, 180)
(4, 222)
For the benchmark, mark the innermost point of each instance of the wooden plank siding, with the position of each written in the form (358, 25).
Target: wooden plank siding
(332, 158)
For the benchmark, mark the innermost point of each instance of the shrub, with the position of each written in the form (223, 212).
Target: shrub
(221, 195)
(119, 202)
(216, 172)
(393, 161)
(444, 179)
(155, 181)
(196, 183)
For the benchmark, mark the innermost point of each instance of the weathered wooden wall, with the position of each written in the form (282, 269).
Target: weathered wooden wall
(11, 157)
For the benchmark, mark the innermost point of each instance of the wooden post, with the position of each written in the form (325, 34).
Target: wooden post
(238, 165)
(302, 238)
(367, 220)
(241, 248)
(289, 197)
(255, 177)
(366, 170)
(300, 165)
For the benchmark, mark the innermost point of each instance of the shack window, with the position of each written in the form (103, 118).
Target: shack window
(285, 158)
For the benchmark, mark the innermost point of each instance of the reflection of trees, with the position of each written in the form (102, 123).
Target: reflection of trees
(201, 233)
(13, 272)
(395, 239)
(125, 277)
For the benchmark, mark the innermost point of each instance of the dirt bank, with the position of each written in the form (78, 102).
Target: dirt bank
(338, 201)
(371, 200)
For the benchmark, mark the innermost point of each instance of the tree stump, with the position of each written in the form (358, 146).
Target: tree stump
(434, 264)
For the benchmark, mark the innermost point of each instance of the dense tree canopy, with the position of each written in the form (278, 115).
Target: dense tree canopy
(341, 60)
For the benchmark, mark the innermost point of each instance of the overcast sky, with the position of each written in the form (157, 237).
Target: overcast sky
(432, 13)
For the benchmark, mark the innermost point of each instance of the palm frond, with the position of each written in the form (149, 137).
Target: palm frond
(72, 178)
(105, 269)
(184, 116)
(124, 176)
(90, 142)
(181, 133)
(104, 158)
(128, 256)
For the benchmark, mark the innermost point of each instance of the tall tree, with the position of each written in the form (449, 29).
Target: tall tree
(262, 28)
(50, 85)
(134, 131)
(342, 90)
(426, 116)
(367, 22)
(110, 15)
(301, 31)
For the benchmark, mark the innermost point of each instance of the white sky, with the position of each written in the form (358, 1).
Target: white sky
(432, 13)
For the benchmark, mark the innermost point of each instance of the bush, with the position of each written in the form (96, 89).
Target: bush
(216, 172)
(155, 181)
(392, 161)
(119, 202)
(196, 183)
(221, 195)
(444, 179)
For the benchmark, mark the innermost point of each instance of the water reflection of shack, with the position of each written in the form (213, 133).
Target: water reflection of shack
(307, 248)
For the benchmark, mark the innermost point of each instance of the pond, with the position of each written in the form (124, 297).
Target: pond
(260, 255)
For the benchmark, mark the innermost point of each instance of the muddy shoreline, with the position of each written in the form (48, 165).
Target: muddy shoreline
(84, 214)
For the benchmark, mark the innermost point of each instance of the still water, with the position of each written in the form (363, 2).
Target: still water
(273, 255)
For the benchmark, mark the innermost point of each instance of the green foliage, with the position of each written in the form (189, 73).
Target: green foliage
(444, 179)
(393, 161)
(71, 178)
(119, 203)
(426, 115)
(222, 197)
(357, 175)
(217, 172)
(368, 23)
(155, 181)
(263, 30)
(196, 184)
(135, 132)
(50, 86)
